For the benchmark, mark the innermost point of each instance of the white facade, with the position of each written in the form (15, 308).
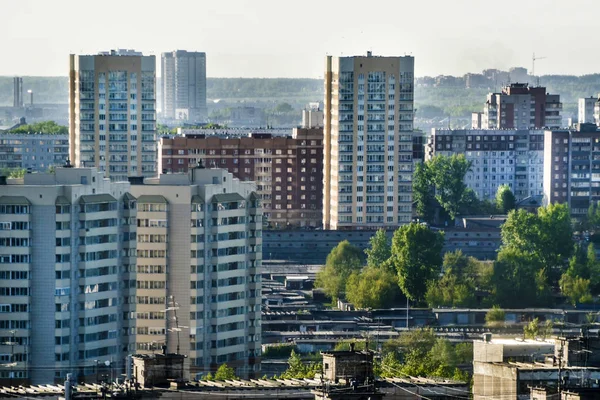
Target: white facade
(368, 127)
(586, 110)
(199, 257)
(511, 157)
(112, 113)
(66, 246)
(184, 86)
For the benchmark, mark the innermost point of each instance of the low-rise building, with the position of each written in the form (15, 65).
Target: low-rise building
(33, 151)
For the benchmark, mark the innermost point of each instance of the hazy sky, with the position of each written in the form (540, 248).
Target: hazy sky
(284, 38)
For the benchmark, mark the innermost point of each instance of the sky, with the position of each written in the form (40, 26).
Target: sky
(285, 38)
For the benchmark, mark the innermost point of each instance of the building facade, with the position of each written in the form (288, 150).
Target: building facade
(33, 151)
(498, 157)
(519, 106)
(199, 259)
(572, 168)
(67, 246)
(112, 113)
(288, 170)
(183, 86)
(368, 125)
(586, 110)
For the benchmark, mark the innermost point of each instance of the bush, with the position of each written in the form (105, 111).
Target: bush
(495, 316)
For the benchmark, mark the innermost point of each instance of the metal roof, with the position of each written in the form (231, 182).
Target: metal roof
(152, 198)
(96, 198)
(226, 197)
(14, 200)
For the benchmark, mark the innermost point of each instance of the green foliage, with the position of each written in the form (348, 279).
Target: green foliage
(545, 239)
(297, 369)
(225, 373)
(462, 276)
(47, 127)
(209, 377)
(448, 175)
(379, 250)
(531, 330)
(283, 108)
(372, 288)
(344, 345)
(420, 353)
(576, 289)
(12, 172)
(423, 195)
(495, 316)
(505, 199)
(279, 350)
(341, 262)
(417, 258)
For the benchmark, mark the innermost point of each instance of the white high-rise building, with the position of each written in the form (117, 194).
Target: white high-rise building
(368, 126)
(112, 113)
(198, 269)
(586, 110)
(67, 246)
(183, 86)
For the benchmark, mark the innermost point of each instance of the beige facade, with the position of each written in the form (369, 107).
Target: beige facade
(199, 260)
(112, 113)
(67, 241)
(368, 127)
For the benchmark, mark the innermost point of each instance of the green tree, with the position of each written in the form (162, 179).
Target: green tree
(545, 238)
(495, 316)
(423, 194)
(341, 262)
(576, 289)
(505, 199)
(225, 373)
(297, 369)
(47, 127)
(417, 258)
(532, 329)
(379, 250)
(12, 172)
(448, 175)
(284, 108)
(372, 288)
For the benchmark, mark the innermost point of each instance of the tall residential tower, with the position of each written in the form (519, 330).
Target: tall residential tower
(368, 126)
(112, 113)
(183, 86)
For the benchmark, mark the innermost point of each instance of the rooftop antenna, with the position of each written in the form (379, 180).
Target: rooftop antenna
(533, 59)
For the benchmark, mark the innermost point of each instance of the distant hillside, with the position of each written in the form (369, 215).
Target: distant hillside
(431, 101)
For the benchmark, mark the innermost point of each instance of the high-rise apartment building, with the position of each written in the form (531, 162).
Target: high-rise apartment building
(67, 244)
(288, 170)
(112, 113)
(198, 269)
(499, 157)
(183, 77)
(586, 110)
(572, 168)
(368, 146)
(519, 106)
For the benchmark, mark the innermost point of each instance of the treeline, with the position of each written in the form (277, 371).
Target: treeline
(47, 127)
(538, 259)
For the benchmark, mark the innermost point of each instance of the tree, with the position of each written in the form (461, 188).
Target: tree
(297, 369)
(576, 289)
(448, 175)
(531, 330)
(423, 195)
(379, 251)
(505, 199)
(284, 108)
(341, 262)
(417, 258)
(495, 316)
(372, 288)
(546, 238)
(225, 373)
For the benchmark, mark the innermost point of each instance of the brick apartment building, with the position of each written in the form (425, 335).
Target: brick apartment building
(288, 170)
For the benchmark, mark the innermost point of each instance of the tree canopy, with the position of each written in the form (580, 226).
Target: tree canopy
(225, 373)
(417, 258)
(379, 250)
(505, 199)
(47, 127)
(341, 262)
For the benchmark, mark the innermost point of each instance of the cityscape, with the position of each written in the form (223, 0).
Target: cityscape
(393, 226)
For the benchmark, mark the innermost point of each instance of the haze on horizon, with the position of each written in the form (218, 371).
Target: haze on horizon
(275, 38)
